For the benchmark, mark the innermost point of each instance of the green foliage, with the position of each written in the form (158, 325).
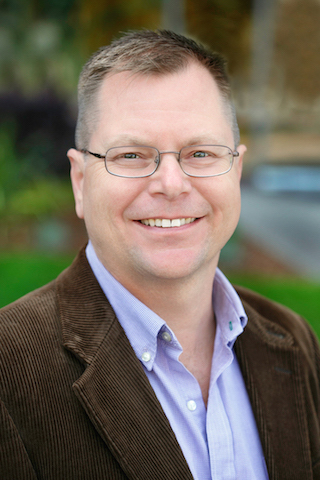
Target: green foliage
(46, 43)
(7, 157)
(44, 197)
(23, 193)
(10, 172)
(36, 37)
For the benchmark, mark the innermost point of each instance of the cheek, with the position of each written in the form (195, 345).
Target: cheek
(95, 206)
(223, 194)
(225, 201)
(232, 203)
(107, 200)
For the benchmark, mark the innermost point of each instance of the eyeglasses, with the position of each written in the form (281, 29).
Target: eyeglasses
(195, 160)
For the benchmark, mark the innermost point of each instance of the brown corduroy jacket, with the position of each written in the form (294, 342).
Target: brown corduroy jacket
(76, 404)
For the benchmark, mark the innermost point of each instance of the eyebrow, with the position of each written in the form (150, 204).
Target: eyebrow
(129, 140)
(206, 139)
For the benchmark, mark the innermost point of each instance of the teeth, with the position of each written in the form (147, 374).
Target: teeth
(166, 222)
(175, 222)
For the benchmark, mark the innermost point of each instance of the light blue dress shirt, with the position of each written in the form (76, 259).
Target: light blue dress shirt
(220, 442)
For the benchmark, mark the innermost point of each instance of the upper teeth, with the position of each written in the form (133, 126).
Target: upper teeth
(166, 222)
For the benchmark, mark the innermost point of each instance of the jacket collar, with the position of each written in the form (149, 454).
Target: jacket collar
(114, 390)
(270, 358)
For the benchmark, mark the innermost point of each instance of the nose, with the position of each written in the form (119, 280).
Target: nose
(169, 179)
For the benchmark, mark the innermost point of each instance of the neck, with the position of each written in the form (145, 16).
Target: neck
(189, 313)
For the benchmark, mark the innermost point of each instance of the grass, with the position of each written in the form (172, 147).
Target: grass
(21, 273)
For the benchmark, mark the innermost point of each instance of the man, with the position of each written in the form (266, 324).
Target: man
(141, 361)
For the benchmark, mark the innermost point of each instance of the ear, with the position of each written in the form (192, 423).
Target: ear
(77, 178)
(239, 160)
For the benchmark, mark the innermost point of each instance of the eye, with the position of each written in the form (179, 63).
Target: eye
(200, 154)
(131, 155)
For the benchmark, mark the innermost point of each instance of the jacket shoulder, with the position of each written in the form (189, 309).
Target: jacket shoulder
(27, 322)
(273, 317)
(36, 303)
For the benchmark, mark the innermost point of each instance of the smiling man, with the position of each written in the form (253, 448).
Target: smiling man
(141, 361)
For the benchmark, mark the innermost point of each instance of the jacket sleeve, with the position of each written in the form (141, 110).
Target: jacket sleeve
(14, 460)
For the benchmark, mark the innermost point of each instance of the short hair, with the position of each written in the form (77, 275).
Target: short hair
(146, 52)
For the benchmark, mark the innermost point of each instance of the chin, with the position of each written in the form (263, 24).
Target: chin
(176, 265)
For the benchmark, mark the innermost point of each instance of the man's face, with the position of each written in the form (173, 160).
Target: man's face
(167, 112)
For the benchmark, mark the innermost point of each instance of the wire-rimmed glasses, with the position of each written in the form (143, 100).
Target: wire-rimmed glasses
(140, 161)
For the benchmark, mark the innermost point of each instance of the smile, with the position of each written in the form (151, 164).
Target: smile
(166, 222)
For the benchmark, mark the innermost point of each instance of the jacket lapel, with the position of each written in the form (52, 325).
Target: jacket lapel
(114, 390)
(272, 369)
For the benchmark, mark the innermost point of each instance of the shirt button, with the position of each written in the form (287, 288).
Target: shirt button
(191, 404)
(166, 336)
(146, 357)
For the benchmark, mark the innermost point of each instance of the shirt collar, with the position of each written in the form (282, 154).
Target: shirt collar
(142, 326)
(229, 311)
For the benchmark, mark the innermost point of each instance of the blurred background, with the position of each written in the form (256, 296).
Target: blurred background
(273, 49)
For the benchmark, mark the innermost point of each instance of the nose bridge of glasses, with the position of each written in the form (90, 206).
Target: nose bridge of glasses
(168, 152)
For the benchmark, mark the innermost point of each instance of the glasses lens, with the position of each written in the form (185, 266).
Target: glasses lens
(133, 161)
(206, 160)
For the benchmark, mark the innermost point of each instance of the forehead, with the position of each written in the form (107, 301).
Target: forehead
(187, 102)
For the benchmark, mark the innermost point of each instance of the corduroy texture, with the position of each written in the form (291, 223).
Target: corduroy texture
(76, 404)
(280, 362)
